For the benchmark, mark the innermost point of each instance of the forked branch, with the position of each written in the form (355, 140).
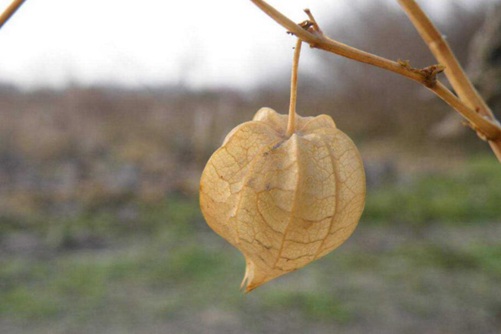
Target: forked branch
(453, 70)
(469, 103)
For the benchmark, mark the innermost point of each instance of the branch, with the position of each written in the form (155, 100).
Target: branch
(7, 14)
(453, 70)
(443, 53)
(310, 33)
(318, 40)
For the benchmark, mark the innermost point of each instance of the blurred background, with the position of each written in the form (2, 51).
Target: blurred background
(110, 110)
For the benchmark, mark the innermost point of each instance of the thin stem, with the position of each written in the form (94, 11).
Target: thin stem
(291, 123)
(488, 127)
(7, 14)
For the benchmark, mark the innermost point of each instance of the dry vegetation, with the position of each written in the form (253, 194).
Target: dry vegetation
(89, 145)
(82, 145)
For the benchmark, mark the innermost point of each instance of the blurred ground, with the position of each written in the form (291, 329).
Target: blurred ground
(100, 230)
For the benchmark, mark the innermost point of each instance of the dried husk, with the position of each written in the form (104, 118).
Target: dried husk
(283, 201)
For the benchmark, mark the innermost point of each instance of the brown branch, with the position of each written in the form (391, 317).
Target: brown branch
(7, 14)
(488, 127)
(453, 70)
(317, 40)
(443, 53)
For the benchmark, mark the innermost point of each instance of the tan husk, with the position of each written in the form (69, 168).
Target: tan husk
(283, 201)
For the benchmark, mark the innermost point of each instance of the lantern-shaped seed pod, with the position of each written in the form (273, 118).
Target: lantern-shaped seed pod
(284, 200)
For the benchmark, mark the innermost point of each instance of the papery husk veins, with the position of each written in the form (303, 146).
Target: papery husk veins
(283, 201)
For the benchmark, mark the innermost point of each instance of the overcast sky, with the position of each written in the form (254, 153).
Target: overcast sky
(199, 43)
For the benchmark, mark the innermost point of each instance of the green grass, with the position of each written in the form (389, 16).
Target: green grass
(314, 305)
(471, 194)
(167, 265)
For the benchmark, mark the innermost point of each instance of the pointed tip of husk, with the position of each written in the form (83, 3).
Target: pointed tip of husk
(248, 283)
(254, 277)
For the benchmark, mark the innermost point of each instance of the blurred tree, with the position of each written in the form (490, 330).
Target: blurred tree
(485, 59)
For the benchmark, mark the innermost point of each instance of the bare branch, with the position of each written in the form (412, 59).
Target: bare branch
(320, 41)
(483, 122)
(443, 53)
(454, 72)
(7, 14)
(284, 21)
